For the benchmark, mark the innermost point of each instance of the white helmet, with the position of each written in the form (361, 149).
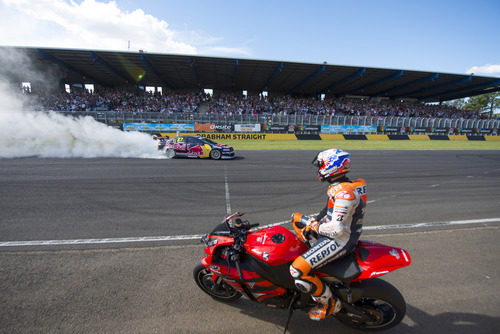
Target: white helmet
(331, 163)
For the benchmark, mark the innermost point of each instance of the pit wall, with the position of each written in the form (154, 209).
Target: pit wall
(275, 136)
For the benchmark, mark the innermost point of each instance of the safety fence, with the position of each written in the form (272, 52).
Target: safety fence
(303, 122)
(297, 136)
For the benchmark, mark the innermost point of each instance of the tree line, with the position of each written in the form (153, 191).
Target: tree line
(484, 103)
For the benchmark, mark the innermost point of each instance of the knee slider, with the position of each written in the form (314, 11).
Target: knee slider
(295, 272)
(303, 286)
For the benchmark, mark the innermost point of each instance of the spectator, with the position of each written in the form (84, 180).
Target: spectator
(138, 101)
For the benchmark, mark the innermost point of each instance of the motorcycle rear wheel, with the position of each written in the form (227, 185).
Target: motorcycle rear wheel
(217, 290)
(381, 302)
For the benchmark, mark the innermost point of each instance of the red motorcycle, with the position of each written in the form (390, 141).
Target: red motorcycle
(256, 263)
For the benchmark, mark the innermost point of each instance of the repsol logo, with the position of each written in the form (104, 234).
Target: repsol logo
(321, 251)
(361, 190)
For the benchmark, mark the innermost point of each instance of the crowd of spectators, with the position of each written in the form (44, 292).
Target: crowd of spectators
(137, 101)
(230, 104)
(121, 100)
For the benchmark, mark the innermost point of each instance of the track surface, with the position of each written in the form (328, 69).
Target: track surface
(452, 285)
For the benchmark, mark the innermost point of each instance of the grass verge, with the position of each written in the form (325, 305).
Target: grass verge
(362, 145)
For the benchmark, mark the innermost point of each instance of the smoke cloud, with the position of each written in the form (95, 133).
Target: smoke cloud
(28, 133)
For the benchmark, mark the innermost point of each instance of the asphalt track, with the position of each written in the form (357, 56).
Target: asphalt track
(126, 284)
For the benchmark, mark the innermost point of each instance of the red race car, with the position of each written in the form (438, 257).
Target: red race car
(195, 147)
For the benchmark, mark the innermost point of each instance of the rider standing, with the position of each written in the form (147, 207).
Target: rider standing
(335, 229)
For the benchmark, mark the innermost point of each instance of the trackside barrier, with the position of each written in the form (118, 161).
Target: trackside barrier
(276, 123)
(285, 120)
(275, 136)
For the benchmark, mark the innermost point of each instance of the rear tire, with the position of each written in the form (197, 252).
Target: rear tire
(218, 290)
(381, 301)
(170, 153)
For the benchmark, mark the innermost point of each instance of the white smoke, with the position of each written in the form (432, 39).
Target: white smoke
(25, 134)
(50, 134)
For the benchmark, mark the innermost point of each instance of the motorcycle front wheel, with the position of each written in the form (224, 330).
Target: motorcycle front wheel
(217, 289)
(382, 304)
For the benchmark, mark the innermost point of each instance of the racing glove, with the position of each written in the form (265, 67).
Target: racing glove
(311, 228)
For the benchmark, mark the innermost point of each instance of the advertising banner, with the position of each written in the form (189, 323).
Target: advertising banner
(307, 128)
(236, 136)
(466, 131)
(202, 127)
(275, 128)
(391, 129)
(414, 130)
(160, 127)
(297, 128)
(247, 127)
(365, 129)
(219, 127)
(440, 130)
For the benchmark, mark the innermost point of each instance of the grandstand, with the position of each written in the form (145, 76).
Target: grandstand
(272, 93)
(187, 73)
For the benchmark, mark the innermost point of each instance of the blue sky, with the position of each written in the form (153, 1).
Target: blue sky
(443, 36)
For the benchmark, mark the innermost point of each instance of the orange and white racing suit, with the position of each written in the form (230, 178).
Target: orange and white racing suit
(338, 227)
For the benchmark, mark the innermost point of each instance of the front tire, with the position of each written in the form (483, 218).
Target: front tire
(218, 290)
(381, 301)
(215, 154)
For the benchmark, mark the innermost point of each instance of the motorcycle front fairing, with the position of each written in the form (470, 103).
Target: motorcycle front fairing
(243, 275)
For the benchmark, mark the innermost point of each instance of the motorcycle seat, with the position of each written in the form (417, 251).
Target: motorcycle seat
(345, 268)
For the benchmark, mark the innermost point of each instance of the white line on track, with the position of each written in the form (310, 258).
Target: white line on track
(198, 236)
(228, 198)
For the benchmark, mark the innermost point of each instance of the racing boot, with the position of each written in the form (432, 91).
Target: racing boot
(327, 305)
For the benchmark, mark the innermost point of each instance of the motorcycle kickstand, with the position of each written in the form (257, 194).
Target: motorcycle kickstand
(290, 312)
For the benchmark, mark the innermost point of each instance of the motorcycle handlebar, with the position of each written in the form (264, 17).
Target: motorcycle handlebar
(251, 226)
(245, 225)
(309, 233)
(240, 231)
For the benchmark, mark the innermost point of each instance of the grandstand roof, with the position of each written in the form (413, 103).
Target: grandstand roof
(187, 72)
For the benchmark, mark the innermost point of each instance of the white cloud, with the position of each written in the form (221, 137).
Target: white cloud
(90, 24)
(211, 45)
(489, 70)
(225, 51)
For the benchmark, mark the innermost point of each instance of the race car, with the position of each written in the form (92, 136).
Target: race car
(196, 147)
(161, 139)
